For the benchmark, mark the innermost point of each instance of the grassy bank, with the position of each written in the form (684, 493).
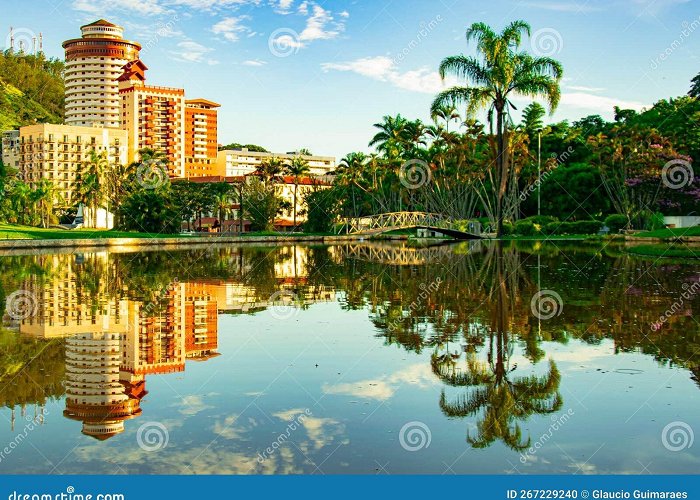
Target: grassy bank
(665, 251)
(671, 233)
(16, 232)
(552, 237)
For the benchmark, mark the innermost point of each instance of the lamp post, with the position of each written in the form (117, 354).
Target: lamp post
(539, 172)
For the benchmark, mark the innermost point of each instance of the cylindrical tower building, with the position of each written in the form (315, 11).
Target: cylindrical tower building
(95, 393)
(93, 64)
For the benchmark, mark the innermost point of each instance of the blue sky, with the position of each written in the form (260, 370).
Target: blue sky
(317, 74)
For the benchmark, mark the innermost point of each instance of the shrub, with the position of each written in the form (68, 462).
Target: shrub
(526, 228)
(551, 228)
(508, 228)
(586, 227)
(541, 220)
(615, 222)
(322, 209)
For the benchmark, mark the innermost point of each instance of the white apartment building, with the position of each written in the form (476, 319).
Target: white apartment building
(93, 64)
(239, 162)
(55, 152)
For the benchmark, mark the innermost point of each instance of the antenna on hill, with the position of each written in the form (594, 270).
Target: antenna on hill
(12, 40)
(34, 45)
(41, 42)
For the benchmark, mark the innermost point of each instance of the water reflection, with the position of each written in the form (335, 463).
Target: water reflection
(105, 322)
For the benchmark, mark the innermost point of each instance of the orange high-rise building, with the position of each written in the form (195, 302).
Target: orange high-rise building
(154, 117)
(201, 322)
(201, 138)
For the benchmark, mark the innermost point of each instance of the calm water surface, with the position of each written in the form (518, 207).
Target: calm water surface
(368, 358)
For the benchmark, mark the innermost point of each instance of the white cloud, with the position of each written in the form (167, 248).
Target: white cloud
(384, 69)
(213, 4)
(254, 62)
(100, 7)
(303, 8)
(583, 88)
(284, 6)
(317, 26)
(231, 28)
(597, 103)
(191, 51)
(345, 14)
(384, 387)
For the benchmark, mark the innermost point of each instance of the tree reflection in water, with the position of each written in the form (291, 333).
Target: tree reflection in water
(482, 305)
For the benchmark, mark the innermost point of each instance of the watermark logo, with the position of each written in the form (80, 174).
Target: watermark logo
(152, 436)
(415, 436)
(152, 174)
(690, 290)
(21, 305)
(425, 30)
(415, 174)
(677, 174)
(546, 42)
(284, 304)
(284, 42)
(677, 436)
(557, 422)
(546, 304)
(282, 438)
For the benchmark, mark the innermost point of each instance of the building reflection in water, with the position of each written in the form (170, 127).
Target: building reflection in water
(112, 341)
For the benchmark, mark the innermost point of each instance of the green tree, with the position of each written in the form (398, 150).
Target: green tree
(270, 169)
(44, 197)
(90, 182)
(447, 113)
(532, 119)
(695, 87)
(261, 204)
(323, 207)
(389, 140)
(502, 72)
(297, 168)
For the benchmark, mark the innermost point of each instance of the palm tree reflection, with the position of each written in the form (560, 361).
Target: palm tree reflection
(501, 398)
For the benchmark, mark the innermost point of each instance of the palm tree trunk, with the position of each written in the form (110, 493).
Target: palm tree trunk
(501, 166)
(295, 205)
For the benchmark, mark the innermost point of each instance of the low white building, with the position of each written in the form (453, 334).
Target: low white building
(239, 162)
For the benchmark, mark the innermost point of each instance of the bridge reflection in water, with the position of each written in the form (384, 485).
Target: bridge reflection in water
(404, 255)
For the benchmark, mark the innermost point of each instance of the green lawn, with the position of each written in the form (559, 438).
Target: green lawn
(671, 233)
(663, 250)
(16, 232)
(552, 237)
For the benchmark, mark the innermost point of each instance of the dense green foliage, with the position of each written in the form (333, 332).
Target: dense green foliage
(31, 90)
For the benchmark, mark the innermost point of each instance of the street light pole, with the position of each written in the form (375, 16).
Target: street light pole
(539, 172)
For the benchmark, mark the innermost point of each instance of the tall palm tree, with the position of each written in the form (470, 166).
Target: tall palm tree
(389, 138)
(447, 113)
(221, 193)
(350, 173)
(502, 72)
(90, 181)
(118, 180)
(20, 196)
(269, 169)
(44, 196)
(297, 167)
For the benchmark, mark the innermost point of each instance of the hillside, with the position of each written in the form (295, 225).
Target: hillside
(31, 90)
(18, 109)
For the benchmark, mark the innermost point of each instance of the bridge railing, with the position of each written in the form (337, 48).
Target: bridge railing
(406, 219)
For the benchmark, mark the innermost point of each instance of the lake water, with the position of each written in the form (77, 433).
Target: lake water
(364, 358)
